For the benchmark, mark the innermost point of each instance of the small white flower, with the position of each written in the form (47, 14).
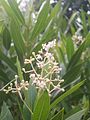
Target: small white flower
(38, 56)
(70, 9)
(88, 12)
(40, 64)
(79, 20)
(32, 76)
(16, 76)
(23, 5)
(51, 44)
(42, 85)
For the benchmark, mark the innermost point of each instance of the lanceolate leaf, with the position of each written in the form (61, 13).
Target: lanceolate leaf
(41, 21)
(30, 97)
(87, 40)
(70, 91)
(13, 4)
(59, 115)
(72, 74)
(6, 38)
(7, 8)
(54, 11)
(69, 48)
(76, 57)
(12, 11)
(17, 37)
(42, 107)
(77, 116)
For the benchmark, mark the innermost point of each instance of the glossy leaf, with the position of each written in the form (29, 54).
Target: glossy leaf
(41, 109)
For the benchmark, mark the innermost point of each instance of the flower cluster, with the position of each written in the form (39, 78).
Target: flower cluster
(16, 86)
(46, 75)
(77, 39)
(23, 5)
(44, 72)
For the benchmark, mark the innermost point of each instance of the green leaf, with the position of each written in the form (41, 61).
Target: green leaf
(72, 111)
(87, 44)
(17, 37)
(7, 61)
(60, 54)
(32, 93)
(76, 56)
(6, 38)
(70, 91)
(59, 115)
(30, 97)
(19, 69)
(13, 4)
(42, 107)
(72, 74)
(88, 119)
(12, 11)
(69, 48)
(3, 76)
(70, 21)
(77, 116)
(5, 113)
(41, 21)
(54, 11)
(7, 8)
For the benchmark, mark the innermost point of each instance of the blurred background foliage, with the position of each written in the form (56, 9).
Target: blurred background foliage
(23, 29)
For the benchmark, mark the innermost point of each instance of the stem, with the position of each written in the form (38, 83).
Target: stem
(48, 73)
(25, 103)
(7, 85)
(34, 69)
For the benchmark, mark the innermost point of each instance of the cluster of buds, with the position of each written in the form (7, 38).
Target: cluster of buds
(16, 87)
(44, 72)
(45, 77)
(77, 39)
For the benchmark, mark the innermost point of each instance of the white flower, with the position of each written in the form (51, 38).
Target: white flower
(51, 44)
(40, 64)
(23, 5)
(32, 76)
(88, 12)
(38, 56)
(70, 9)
